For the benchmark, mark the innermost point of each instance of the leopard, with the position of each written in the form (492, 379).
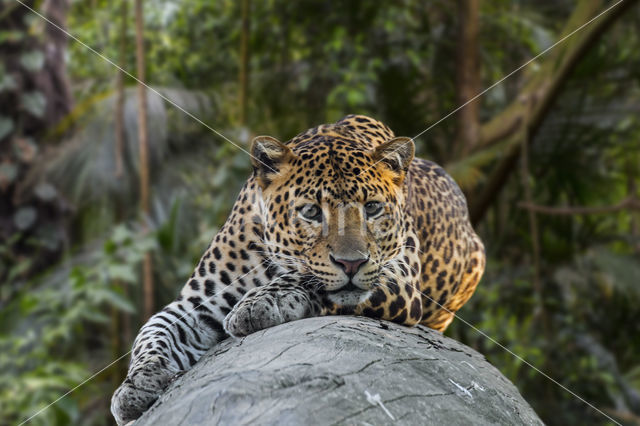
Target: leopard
(342, 219)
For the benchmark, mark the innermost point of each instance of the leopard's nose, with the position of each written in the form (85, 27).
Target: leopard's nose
(349, 266)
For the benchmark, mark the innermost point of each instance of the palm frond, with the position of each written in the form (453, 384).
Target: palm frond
(83, 166)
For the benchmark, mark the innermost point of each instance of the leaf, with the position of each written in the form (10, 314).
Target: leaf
(28, 303)
(25, 148)
(620, 272)
(115, 299)
(25, 217)
(11, 36)
(355, 98)
(45, 191)
(34, 103)
(120, 234)
(20, 268)
(32, 60)
(123, 273)
(8, 173)
(7, 81)
(96, 316)
(6, 126)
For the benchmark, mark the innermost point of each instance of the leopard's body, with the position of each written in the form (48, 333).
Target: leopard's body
(339, 220)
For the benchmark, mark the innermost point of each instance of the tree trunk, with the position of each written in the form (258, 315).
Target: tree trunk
(148, 308)
(244, 64)
(341, 370)
(632, 191)
(35, 97)
(120, 94)
(468, 77)
(121, 321)
(53, 79)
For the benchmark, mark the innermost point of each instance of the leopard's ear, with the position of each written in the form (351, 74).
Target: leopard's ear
(268, 155)
(396, 154)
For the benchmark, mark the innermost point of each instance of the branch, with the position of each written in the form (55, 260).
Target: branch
(629, 203)
(544, 85)
(536, 98)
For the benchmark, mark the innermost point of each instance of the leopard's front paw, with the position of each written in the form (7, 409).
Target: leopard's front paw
(265, 307)
(139, 391)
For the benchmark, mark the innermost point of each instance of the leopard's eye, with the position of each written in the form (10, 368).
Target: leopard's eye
(311, 212)
(372, 209)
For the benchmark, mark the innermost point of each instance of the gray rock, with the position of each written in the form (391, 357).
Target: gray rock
(319, 371)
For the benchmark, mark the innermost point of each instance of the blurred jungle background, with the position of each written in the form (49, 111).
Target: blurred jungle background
(103, 214)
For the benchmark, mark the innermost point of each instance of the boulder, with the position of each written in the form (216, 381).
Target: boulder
(341, 370)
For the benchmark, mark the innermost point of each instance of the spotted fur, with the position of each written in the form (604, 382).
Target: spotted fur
(303, 240)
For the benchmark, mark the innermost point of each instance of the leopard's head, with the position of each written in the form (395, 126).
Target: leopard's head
(333, 206)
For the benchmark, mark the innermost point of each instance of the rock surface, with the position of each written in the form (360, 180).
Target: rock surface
(320, 370)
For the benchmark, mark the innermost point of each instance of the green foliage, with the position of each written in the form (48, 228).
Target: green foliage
(46, 327)
(582, 329)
